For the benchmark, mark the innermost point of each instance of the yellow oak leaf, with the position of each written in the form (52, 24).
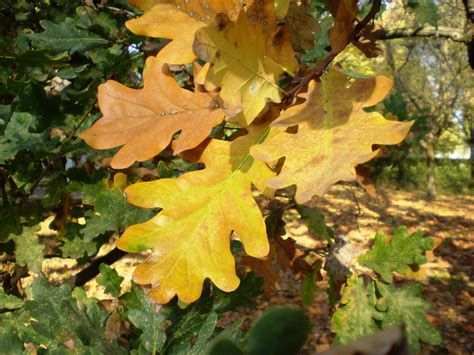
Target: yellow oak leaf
(190, 237)
(240, 65)
(178, 20)
(334, 134)
(144, 121)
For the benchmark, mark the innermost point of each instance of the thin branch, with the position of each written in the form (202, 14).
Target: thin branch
(319, 69)
(453, 34)
(92, 270)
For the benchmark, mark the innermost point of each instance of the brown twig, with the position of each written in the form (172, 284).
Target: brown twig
(92, 270)
(319, 69)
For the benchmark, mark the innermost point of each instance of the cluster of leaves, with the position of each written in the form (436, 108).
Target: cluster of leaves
(59, 320)
(246, 52)
(231, 110)
(367, 308)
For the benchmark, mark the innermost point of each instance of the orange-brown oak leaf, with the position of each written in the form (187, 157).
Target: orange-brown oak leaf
(178, 20)
(334, 134)
(144, 121)
(344, 13)
(190, 237)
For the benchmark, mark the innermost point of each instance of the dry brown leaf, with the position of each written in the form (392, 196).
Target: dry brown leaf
(264, 268)
(364, 180)
(344, 13)
(285, 251)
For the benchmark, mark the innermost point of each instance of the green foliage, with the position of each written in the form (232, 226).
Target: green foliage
(279, 331)
(110, 279)
(9, 301)
(356, 316)
(109, 213)
(367, 307)
(65, 36)
(396, 253)
(403, 306)
(28, 250)
(315, 222)
(52, 318)
(425, 11)
(142, 313)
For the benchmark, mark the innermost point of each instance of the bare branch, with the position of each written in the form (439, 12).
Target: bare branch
(453, 34)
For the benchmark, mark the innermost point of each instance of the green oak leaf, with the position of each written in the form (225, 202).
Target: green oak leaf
(315, 222)
(10, 343)
(403, 306)
(64, 37)
(9, 301)
(28, 250)
(356, 315)
(110, 279)
(111, 213)
(206, 331)
(396, 254)
(144, 315)
(10, 222)
(111, 210)
(54, 319)
(19, 135)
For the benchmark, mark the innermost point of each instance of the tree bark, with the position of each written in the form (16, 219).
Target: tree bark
(471, 159)
(430, 166)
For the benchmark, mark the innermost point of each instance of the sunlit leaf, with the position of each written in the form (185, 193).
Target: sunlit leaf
(334, 134)
(396, 253)
(190, 238)
(403, 306)
(144, 121)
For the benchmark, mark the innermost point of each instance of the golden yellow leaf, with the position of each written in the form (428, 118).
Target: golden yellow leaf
(334, 134)
(190, 238)
(241, 65)
(178, 20)
(144, 121)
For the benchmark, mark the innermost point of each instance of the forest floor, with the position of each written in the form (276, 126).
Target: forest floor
(357, 217)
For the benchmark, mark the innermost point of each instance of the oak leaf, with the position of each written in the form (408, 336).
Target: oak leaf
(144, 121)
(334, 134)
(344, 13)
(190, 238)
(179, 20)
(242, 63)
(265, 269)
(345, 18)
(303, 26)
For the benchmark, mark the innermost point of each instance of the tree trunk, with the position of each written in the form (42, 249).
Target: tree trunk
(471, 160)
(430, 165)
